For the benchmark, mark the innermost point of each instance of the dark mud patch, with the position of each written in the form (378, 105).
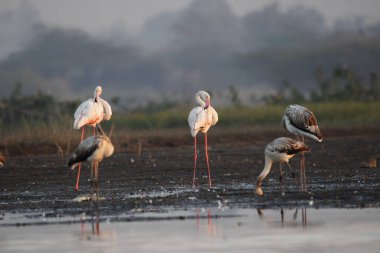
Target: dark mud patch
(161, 179)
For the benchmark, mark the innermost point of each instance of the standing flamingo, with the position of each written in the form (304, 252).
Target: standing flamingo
(201, 118)
(301, 122)
(93, 149)
(91, 112)
(280, 150)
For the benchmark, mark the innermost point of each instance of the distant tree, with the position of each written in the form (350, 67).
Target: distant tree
(292, 93)
(36, 107)
(374, 87)
(234, 96)
(274, 99)
(345, 85)
(253, 99)
(16, 93)
(287, 94)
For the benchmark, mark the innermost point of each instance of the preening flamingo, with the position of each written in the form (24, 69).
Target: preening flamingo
(91, 112)
(301, 122)
(93, 149)
(201, 118)
(280, 150)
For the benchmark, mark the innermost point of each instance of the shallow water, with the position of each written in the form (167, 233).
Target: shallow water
(196, 230)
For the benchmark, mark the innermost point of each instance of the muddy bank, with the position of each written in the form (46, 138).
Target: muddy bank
(130, 141)
(336, 170)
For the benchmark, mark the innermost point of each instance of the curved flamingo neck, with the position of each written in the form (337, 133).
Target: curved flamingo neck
(200, 101)
(202, 98)
(96, 95)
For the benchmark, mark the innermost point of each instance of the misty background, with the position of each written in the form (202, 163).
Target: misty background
(171, 52)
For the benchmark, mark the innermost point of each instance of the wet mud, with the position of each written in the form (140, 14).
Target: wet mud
(338, 175)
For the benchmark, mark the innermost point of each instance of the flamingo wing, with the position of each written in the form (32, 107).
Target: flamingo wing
(89, 112)
(214, 115)
(287, 145)
(84, 150)
(107, 109)
(81, 114)
(303, 119)
(197, 119)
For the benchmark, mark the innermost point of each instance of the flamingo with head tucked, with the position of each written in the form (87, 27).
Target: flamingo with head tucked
(91, 112)
(301, 122)
(201, 118)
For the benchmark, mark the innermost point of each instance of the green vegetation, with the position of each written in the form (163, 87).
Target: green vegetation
(330, 114)
(341, 101)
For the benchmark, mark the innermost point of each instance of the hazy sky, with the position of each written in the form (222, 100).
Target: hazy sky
(94, 16)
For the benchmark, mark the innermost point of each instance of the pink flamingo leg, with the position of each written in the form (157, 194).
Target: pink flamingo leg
(303, 169)
(82, 136)
(80, 165)
(302, 180)
(282, 178)
(78, 176)
(94, 166)
(195, 159)
(208, 165)
(96, 176)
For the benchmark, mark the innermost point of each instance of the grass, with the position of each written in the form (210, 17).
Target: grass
(170, 128)
(345, 114)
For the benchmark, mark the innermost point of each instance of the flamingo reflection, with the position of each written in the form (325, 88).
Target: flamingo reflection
(211, 229)
(303, 215)
(87, 234)
(283, 222)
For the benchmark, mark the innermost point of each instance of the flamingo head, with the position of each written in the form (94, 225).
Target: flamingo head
(97, 92)
(208, 101)
(203, 99)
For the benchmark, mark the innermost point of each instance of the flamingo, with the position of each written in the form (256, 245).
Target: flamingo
(91, 112)
(280, 150)
(93, 149)
(201, 118)
(301, 122)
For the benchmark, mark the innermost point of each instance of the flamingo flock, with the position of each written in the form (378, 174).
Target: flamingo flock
(297, 119)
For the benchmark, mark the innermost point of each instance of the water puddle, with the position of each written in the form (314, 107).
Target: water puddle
(195, 230)
(162, 193)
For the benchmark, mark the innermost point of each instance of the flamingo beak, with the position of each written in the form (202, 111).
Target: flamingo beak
(207, 102)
